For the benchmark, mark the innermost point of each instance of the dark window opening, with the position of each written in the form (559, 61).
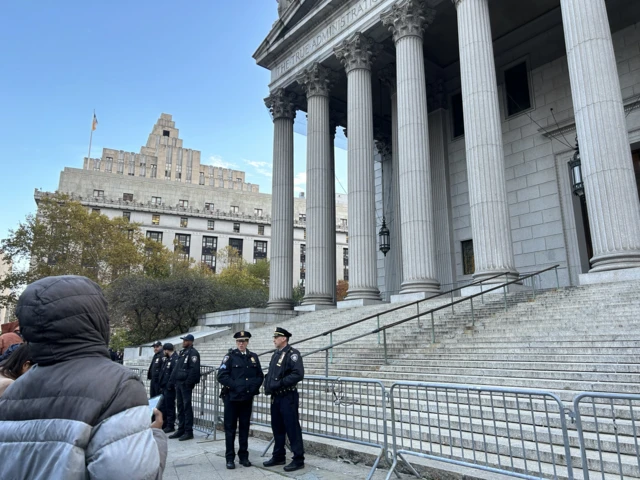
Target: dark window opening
(156, 236)
(236, 228)
(237, 244)
(516, 81)
(259, 249)
(209, 245)
(468, 261)
(457, 115)
(127, 197)
(260, 229)
(126, 216)
(165, 133)
(183, 246)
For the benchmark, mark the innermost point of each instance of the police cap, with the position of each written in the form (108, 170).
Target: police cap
(157, 343)
(281, 332)
(244, 335)
(188, 337)
(167, 346)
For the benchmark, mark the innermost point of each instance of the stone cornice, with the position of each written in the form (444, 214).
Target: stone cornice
(316, 80)
(281, 104)
(408, 18)
(357, 52)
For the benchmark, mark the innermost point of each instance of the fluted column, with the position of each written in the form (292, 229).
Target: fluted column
(332, 208)
(283, 111)
(316, 82)
(607, 168)
(407, 20)
(490, 225)
(357, 53)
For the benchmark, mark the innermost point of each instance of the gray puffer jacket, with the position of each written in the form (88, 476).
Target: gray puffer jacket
(76, 414)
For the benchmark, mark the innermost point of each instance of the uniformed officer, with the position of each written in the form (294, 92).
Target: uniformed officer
(285, 371)
(154, 369)
(241, 374)
(185, 376)
(168, 388)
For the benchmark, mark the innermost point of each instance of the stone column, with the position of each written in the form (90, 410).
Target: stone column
(490, 225)
(357, 53)
(316, 82)
(332, 192)
(283, 110)
(388, 77)
(607, 168)
(407, 20)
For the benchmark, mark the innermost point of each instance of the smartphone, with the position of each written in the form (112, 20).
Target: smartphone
(153, 403)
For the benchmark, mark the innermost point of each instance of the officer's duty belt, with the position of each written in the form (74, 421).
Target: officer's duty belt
(284, 391)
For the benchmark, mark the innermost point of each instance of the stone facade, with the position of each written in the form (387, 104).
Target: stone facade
(207, 214)
(480, 134)
(5, 313)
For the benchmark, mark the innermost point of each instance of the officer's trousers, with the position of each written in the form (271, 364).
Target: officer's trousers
(169, 407)
(234, 413)
(185, 410)
(154, 389)
(285, 422)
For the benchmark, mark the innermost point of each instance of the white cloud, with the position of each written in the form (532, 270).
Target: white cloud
(300, 179)
(217, 161)
(262, 168)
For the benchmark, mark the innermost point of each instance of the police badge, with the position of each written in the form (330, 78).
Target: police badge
(294, 357)
(194, 359)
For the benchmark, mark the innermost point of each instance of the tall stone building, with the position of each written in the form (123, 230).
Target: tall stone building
(5, 313)
(461, 117)
(202, 208)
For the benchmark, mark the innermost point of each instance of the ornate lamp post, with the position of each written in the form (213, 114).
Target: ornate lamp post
(384, 236)
(577, 186)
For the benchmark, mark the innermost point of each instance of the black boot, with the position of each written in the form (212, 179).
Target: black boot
(272, 462)
(230, 465)
(293, 466)
(178, 434)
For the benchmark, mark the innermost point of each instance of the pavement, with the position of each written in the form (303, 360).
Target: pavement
(202, 458)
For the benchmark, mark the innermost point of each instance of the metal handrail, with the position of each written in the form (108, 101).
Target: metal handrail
(431, 312)
(393, 309)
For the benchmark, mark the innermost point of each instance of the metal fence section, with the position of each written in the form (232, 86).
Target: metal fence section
(350, 410)
(517, 432)
(608, 427)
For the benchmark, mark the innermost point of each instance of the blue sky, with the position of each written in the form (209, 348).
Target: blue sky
(131, 61)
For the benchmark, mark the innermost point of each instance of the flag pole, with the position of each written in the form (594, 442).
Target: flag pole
(91, 135)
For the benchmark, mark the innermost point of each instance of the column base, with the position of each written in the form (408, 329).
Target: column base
(610, 276)
(427, 286)
(363, 294)
(315, 299)
(313, 307)
(617, 261)
(360, 302)
(280, 305)
(412, 297)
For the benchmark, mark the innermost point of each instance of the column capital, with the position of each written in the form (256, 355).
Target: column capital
(316, 80)
(408, 18)
(357, 51)
(388, 78)
(456, 3)
(281, 104)
(383, 144)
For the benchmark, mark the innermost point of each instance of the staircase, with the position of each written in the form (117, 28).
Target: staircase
(565, 341)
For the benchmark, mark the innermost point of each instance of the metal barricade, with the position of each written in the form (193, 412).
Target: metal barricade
(205, 401)
(516, 432)
(350, 410)
(608, 427)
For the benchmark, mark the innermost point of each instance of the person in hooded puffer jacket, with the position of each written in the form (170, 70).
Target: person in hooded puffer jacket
(75, 413)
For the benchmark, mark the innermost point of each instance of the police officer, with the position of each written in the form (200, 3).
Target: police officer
(241, 375)
(185, 376)
(285, 371)
(154, 369)
(168, 388)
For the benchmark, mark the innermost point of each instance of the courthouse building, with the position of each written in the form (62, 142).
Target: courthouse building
(189, 206)
(462, 118)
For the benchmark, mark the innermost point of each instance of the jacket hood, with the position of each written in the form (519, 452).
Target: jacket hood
(64, 317)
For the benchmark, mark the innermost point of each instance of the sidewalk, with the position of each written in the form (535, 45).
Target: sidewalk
(202, 459)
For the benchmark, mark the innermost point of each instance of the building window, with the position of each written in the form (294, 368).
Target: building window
(126, 216)
(132, 165)
(184, 221)
(127, 197)
(156, 200)
(201, 178)
(95, 210)
(343, 222)
(208, 207)
(237, 244)
(345, 264)
(468, 262)
(155, 236)
(238, 179)
(96, 164)
(211, 224)
(259, 250)
(165, 133)
(304, 233)
(108, 166)
(210, 261)
(236, 228)
(183, 246)
(235, 209)
(516, 86)
(121, 166)
(155, 219)
(209, 248)
(98, 194)
(154, 170)
(302, 217)
(167, 174)
(260, 229)
(183, 203)
(257, 212)
(457, 115)
(303, 261)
